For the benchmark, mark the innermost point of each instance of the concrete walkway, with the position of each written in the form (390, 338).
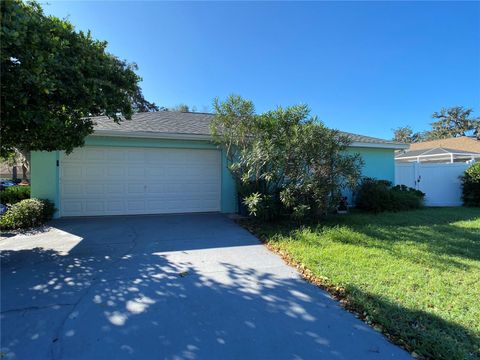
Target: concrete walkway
(167, 287)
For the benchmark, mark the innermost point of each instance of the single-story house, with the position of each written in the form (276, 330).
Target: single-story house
(468, 144)
(436, 155)
(159, 162)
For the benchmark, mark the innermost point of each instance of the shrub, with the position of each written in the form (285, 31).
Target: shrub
(27, 213)
(13, 194)
(406, 198)
(373, 195)
(262, 206)
(284, 161)
(471, 185)
(379, 195)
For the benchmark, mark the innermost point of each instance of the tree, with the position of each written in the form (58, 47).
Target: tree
(405, 134)
(453, 122)
(184, 108)
(283, 160)
(54, 79)
(14, 158)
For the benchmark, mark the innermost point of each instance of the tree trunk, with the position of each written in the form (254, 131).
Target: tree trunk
(24, 168)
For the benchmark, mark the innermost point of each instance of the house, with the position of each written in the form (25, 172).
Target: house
(469, 144)
(450, 150)
(436, 155)
(160, 162)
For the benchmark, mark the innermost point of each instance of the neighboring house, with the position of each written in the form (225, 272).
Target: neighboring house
(161, 162)
(468, 144)
(436, 155)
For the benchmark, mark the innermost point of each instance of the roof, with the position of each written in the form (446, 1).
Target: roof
(463, 143)
(434, 151)
(173, 124)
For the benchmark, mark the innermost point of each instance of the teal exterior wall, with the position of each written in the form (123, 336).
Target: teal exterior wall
(44, 176)
(378, 163)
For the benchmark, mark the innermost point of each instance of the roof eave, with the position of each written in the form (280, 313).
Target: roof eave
(178, 136)
(378, 145)
(151, 135)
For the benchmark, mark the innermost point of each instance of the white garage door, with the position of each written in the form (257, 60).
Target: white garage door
(118, 181)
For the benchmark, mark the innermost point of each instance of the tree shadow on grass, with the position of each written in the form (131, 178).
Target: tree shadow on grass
(144, 295)
(425, 333)
(133, 292)
(153, 308)
(440, 239)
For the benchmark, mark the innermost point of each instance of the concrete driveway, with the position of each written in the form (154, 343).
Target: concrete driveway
(167, 287)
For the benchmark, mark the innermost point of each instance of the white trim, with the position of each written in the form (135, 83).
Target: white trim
(150, 135)
(445, 155)
(378, 145)
(176, 136)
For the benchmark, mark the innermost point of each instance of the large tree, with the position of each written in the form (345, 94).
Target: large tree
(54, 78)
(453, 122)
(405, 134)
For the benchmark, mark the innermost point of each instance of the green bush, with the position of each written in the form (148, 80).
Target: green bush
(13, 194)
(27, 213)
(471, 185)
(284, 161)
(379, 195)
(262, 206)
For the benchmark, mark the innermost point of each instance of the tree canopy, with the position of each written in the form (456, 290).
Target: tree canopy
(283, 160)
(451, 122)
(54, 78)
(404, 134)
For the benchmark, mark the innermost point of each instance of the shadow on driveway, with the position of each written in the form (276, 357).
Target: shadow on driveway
(167, 287)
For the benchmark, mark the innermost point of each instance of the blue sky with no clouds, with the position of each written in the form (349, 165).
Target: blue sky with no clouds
(364, 67)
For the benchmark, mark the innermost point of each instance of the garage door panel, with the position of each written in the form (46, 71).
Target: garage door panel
(94, 206)
(115, 171)
(115, 206)
(114, 155)
(135, 189)
(72, 206)
(112, 181)
(93, 154)
(134, 155)
(94, 189)
(113, 189)
(72, 173)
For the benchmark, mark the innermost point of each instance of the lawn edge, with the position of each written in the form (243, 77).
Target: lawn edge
(338, 293)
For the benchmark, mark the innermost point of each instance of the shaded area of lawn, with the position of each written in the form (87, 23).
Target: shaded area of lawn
(415, 275)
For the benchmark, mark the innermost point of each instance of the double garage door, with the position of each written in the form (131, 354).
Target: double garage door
(123, 181)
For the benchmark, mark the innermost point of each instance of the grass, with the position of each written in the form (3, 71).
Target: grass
(413, 275)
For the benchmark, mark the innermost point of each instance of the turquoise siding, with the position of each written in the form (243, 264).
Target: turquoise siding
(44, 176)
(379, 163)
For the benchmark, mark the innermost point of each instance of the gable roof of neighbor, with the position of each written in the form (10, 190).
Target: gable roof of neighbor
(464, 143)
(432, 152)
(189, 125)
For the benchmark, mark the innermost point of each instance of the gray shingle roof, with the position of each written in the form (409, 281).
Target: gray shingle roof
(186, 123)
(170, 122)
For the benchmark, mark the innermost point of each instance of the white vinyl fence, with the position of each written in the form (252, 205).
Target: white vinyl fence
(440, 182)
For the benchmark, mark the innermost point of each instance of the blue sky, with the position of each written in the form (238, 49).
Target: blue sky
(364, 67)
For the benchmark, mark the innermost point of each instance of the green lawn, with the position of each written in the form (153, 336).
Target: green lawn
(415, 275)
